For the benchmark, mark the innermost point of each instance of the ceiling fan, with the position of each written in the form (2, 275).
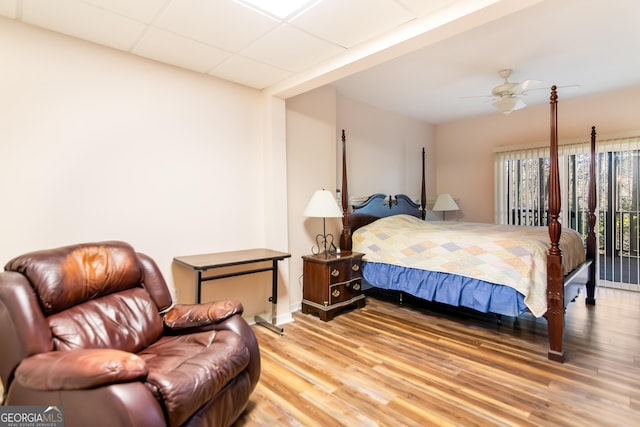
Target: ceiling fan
(507, 95)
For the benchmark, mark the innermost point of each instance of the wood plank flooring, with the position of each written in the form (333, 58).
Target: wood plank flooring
(406, 365)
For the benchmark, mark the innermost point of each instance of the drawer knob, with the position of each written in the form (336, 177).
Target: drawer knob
(335, 272)
(335, 293)
(355, 267)
(356, 286)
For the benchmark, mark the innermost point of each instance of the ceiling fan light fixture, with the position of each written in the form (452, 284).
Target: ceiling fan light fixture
(505, 104)
(508, 104)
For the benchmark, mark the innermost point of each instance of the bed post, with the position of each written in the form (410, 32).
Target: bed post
(555, 276)
(345, 236)
(591, 235)
(423, 194)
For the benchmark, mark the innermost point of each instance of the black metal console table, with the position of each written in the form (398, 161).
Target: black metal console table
(204, 262)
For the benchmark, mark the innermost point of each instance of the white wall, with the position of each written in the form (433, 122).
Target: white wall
(465, 148)
(97, 144)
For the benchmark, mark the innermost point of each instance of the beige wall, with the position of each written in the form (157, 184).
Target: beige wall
(97, 144)
(465, 148)
(311, 163)
(384, 150)
(383, 155)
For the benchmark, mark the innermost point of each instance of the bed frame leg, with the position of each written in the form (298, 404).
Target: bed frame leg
(556, 356)
(592, 248)
(555, 326)
(555, 317)
(591, 290)
(591, 282)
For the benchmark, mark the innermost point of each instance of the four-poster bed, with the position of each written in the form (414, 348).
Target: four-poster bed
(529, 272)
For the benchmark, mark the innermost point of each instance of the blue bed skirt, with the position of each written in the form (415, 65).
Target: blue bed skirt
(445, 288)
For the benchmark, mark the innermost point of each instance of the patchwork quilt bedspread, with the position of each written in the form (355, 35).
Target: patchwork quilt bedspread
(514, 256)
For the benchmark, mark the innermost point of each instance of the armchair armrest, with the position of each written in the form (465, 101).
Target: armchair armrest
(188, 316)
(79, 369)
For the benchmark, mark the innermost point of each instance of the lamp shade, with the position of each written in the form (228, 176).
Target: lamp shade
(445, 202)
(323, 205)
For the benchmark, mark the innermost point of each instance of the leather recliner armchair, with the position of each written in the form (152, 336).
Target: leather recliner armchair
(92, 328)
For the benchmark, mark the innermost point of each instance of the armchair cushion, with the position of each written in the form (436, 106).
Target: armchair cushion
(68, 276)
(79, 369)
(127, 320)
(183, 316)
(188, 370)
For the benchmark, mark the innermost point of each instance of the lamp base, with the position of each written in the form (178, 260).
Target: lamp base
(324, 245)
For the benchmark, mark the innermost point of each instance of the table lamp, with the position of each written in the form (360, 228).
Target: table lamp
(445, 203)
(323, 205)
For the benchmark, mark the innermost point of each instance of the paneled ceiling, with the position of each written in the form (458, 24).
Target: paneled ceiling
(423, 58)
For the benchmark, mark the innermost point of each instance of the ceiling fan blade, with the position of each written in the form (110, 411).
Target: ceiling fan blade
(564, 86)
(524, 86)
(546, 88)
(520, 104)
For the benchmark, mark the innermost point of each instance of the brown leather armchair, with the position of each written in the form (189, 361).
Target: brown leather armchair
(92, 328)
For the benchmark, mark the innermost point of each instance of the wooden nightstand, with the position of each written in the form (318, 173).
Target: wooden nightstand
(331, 283)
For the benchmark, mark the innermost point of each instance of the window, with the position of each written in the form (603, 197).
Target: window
(521, 179)
(522, 187)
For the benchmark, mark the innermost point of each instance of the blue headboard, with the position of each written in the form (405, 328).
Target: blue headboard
(380, 206)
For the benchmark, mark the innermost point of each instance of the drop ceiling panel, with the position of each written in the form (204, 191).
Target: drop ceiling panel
(591, 43)
(79, 19)
(223, 24)
(422, 7)
(179, 51)
(249, 72)
(348, 23)
(291, 49)
(140, 10)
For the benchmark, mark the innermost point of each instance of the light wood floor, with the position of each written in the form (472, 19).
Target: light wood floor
(393, 365)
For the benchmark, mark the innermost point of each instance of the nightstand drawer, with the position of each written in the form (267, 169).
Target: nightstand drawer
(344, 291)
(344, 271)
